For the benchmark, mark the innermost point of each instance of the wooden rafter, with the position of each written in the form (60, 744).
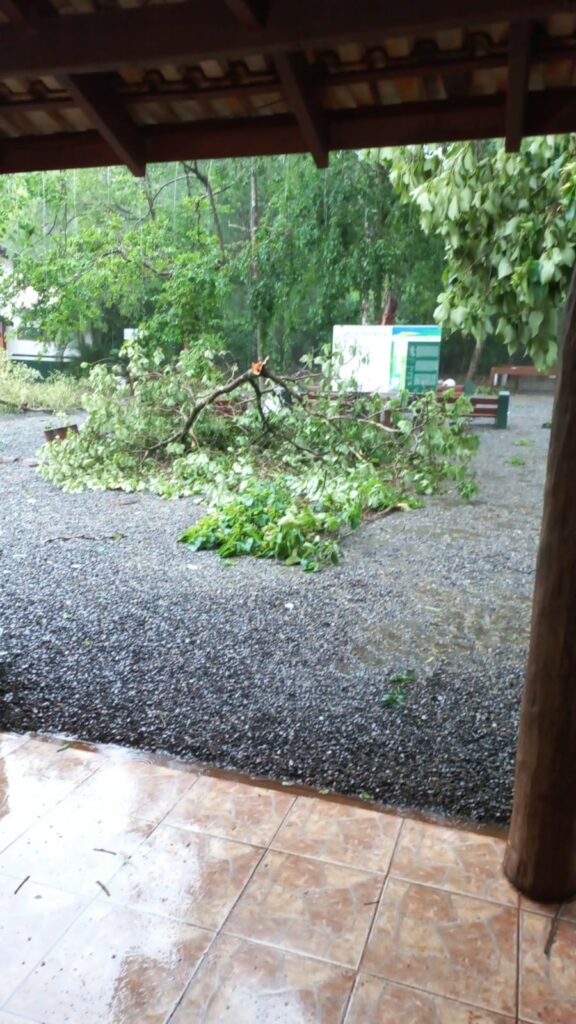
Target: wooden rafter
(519, 53)
(163, 34)
(396, 69)
(95, 95)
(477, 118)
(251, 13)
(303, 101)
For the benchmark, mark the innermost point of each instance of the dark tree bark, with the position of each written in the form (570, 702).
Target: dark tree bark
(254, 223)
(390, 309)
(476, 355)
(541, 854)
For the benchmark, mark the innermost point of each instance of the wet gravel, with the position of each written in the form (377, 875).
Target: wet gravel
(262, 668)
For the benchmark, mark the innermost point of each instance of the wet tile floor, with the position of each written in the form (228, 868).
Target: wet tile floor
(141, 891)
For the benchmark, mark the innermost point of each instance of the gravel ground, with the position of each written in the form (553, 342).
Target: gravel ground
(263, 668)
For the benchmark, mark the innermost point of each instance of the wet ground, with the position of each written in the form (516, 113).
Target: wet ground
(263, 668)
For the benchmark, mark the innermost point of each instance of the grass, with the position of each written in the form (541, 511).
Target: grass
(23, 389)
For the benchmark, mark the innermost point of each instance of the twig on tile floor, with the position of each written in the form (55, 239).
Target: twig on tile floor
(23, 882)
(102, 849)
(555, 926)
(103, 887)
(65, 747)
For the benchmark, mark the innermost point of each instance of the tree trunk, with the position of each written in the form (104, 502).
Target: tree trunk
(254, 222)
(213, 207)
(473, 367)
(541, 854)
(366, 310)
(390, 309)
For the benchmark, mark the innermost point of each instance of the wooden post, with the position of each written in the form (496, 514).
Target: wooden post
(541, 854)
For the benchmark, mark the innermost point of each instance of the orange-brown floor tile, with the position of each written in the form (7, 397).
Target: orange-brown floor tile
(232, 810)
(134, 788)
(341, 833)
(376, 1001)
(74, 850)
(547, 984)
(448, 858)
(447, 944)
(113, 966)
(241, 982)
(549, 909)
(186, 875)
(31, 920)
(308, 906)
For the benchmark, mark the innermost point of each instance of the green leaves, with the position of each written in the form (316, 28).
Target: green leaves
(508, 225)
(505, 268)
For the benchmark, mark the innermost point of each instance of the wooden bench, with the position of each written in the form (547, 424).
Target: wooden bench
(493, 407)
(500, 374)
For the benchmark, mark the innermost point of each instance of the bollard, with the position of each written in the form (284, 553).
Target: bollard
(502, 414)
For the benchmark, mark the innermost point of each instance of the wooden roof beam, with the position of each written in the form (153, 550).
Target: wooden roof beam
(189, 32)
(97, 97)
(519, 53)
(302, 99)
(403, 124)
(251, 13)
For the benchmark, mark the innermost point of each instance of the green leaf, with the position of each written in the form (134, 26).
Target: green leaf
(547, 270)
(505, 268)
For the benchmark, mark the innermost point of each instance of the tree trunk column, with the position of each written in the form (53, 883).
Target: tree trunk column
(541, 854)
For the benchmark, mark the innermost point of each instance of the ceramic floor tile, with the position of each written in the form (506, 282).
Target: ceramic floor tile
(341, 833)
(132, 789)
(53, 761)
(187, 875)
(31, 920)
(447, 944)
(547, 984)
(376, 1001)
(241, 982)
(74, 851)
(11, 1018)
(114, 966)
(549, 909)
(34, 778)
(308, 906)
(448, 858)
(232, 810)
(10, 741)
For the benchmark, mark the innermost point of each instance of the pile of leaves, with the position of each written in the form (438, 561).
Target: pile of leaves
(288, 464)
(24, 389)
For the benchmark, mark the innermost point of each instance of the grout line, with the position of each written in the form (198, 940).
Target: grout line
(381, 897)
(219, 931)
(505, 1017)
(351, 994)
(301, 954)
(49, 810)
(454, 892)
(327, 860)
(88, 901)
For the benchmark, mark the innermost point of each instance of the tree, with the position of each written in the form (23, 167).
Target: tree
(251, 257)
(508, 226)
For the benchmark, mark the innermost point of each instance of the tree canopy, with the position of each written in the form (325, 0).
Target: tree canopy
(508, 223)
(242, 256)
